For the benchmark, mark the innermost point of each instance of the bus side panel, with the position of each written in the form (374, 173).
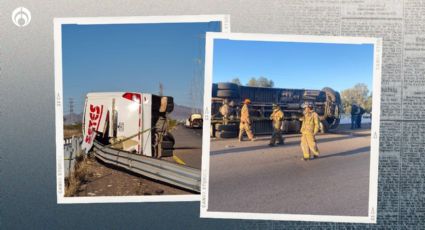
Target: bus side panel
(94, 118)
(146, 118)
(128, 123)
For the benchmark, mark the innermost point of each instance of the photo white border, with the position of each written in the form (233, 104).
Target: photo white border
(374, 151)
(60, 171)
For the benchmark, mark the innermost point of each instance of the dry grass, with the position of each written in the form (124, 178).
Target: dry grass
(72, 130)
(171, 124)
(78, 176)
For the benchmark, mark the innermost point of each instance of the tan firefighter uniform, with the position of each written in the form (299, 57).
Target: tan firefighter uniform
(277, 120)
(245, 124)
(225, 111)
(309, 129)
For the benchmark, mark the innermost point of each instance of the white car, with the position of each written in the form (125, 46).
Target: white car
(194, 121)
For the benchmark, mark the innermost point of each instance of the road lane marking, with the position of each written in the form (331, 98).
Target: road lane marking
(178, 160)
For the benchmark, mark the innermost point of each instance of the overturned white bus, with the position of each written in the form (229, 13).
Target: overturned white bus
(130, 121)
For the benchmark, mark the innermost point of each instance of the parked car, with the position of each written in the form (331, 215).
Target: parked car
(194, 121)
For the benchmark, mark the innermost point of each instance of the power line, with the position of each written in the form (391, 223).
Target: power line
(71, 105)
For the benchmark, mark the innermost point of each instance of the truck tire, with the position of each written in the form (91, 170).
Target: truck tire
(228, 127)
(167, 145)
(333, 119)
(331, 93)
(169, 137)
(212, 130)
(227, 85)
(170, 104)
(323, 126)
(214, 90)
(296, 126)
(285, 126)
(337, 97)
(167, 153)
(226, 93)
(226, 134)
(334, 123)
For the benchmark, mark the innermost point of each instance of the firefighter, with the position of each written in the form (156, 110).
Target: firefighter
(277, 120)
(245, 124)
(225, 111)
(309, 129)
(359, 117)
(354, 114)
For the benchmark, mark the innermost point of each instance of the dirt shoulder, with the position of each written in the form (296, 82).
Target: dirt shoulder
(105, 180)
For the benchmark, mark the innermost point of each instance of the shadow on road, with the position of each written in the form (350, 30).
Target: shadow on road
(183, 148)
(347, 153)
(292, 143)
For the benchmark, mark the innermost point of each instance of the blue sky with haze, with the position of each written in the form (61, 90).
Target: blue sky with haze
(134, 57)
(294, 64)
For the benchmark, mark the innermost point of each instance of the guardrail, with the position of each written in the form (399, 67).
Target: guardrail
(168, 172)
(71, 148)
(67, 140)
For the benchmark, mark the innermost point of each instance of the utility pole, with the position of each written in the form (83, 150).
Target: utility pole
(161, 89)
(71, 105)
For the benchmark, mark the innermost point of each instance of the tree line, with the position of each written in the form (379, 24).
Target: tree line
(358, 94)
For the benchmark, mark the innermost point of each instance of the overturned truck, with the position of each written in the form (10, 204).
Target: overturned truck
(130, 121)
(327, 103)
(130, 130)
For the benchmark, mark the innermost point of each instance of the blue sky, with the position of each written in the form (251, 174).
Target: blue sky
(294, 64)
(134, 57)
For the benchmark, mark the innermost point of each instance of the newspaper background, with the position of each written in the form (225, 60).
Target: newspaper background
(401, 24)
(27, 168)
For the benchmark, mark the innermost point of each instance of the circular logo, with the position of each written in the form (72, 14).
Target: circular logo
(21, 16)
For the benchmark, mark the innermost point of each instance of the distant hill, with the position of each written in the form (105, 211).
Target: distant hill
(181, 112)
(72, 119)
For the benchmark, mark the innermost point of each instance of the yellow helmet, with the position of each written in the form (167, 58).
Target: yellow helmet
(247, 101)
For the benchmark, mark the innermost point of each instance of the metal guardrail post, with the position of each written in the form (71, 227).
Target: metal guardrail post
(164, 171)
(72, 145)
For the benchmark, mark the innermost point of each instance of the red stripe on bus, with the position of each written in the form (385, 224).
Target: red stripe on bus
(100, 118)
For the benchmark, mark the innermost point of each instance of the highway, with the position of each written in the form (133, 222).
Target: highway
(188, 146)
(253, 177)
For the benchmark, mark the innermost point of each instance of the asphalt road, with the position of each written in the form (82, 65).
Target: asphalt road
(188, 146)
(252, 177)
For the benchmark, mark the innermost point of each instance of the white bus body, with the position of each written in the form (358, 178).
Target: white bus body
(124, 118)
